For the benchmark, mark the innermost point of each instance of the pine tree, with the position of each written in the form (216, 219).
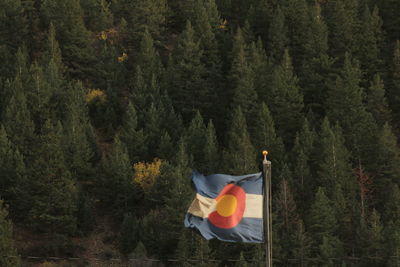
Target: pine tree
(97, 14)
(266, 138)
(239, 157)
(286, 100)
(132, 136)
(78, 139)
(374, 242)
(296, 14)
(261, 68)
(72, 35)
(179, 194)
(152, 129)
(8, 253)
(369, 50)
(260, 15)
(210, 151)
(393, 88)
(317, 65)
(286, 214)
(241, 81)
(53, 199)
(116, 188)
(304, 165)
(345, 105)
(301, 247)
(187, 87)
(17, 120)
(205, 24)
(323, 225)
(14, 31)
(195, 138)
(388, 163)
(148, 58)
(334, 166)
(12, 173)
(376, 101)
(277, 35)
(392, 21)
(342, 20)
(150, 14)
(129, 233)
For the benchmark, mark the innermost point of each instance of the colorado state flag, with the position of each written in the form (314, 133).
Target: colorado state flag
(229, 208)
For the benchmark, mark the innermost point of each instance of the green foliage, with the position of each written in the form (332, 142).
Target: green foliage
(8, 253)
(53, 198)
(239, 157)
(132, 136)
(129, 233)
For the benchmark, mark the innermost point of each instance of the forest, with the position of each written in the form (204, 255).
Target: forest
(107, 106)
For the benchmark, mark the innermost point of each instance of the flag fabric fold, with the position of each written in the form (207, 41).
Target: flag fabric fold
(229, 208)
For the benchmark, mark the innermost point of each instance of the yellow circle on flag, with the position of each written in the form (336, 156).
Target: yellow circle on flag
(226, 205)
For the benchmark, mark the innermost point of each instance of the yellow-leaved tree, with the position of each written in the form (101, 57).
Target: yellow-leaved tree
(146, 174)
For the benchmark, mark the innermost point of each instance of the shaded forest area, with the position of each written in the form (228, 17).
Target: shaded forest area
(106, 106)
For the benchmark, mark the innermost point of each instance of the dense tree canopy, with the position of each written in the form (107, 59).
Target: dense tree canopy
(107, 105)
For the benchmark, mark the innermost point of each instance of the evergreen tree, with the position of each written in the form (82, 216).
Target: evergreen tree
(12, 174)
(132, 136)
(148, 58)
(186, 84)
(17, 120)
(266, 138)
(334, 166)
(388, 164)
(296, 14)
(53, 194)
(304, 165)
(241, 80)
(393, 88)
(239, 157)
(72, 35)
(373, 248)
(85, 216)
(8, 253)
(78, 140)
(195, 138)
(277, 35)
(129, 233)
(147, 14)
(116, 188)
(300, 248)
(14, 31)
(152, 129)
(286, 100)
(210, 151)
(323, 225)
(391, 22)
(345, 105)
(286, 215)
(369, 46)
(342, 20)
(178, 197)
(97, 14)
(205, 22)
(376, 101)
(316, 67)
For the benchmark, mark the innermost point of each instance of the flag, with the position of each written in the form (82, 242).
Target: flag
(229, 208)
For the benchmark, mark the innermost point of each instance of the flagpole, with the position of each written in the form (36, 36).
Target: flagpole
(267, 210)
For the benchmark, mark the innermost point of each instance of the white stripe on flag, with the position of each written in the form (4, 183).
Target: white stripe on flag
(203, 206)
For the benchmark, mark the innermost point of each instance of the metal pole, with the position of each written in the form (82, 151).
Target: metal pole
(267, 210)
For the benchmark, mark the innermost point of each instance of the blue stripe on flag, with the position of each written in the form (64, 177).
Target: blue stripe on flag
(248, 230)
(210, 186)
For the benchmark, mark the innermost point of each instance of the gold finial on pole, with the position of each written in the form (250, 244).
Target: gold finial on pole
(265, 154)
